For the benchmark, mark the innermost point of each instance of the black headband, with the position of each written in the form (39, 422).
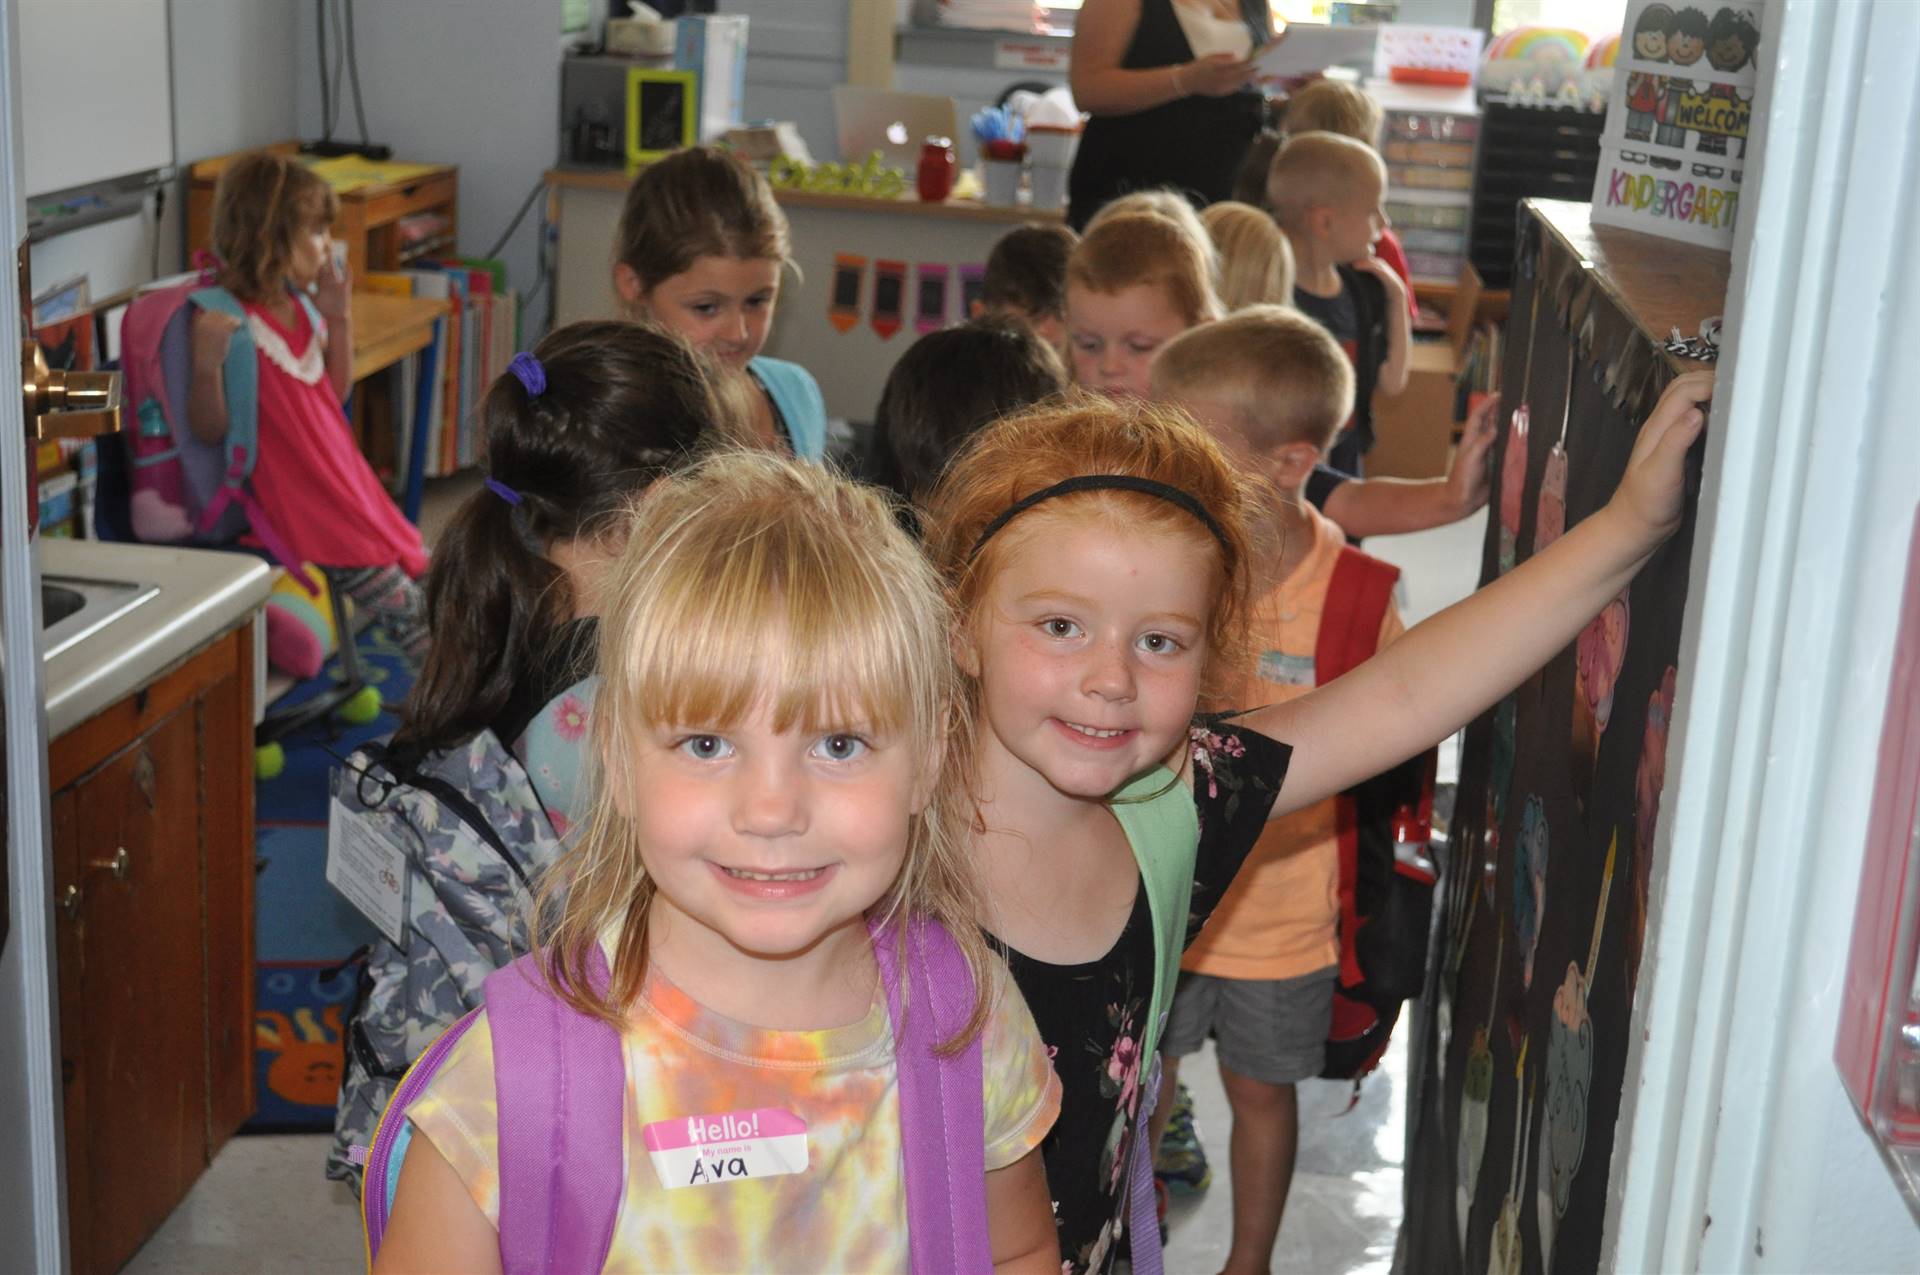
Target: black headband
(1106, 482)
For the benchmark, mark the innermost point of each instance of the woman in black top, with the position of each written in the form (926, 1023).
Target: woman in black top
(1161, 115)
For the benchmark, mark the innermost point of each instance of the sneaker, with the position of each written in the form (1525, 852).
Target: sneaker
(1182, 1162)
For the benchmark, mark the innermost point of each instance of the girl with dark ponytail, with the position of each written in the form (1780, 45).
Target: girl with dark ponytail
(573, 433)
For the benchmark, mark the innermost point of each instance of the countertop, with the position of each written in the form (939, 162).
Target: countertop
(202, 595)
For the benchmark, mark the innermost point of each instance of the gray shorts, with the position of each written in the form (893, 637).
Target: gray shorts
(1270, 1030)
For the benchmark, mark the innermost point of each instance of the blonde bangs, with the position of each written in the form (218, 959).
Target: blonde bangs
(775, 616)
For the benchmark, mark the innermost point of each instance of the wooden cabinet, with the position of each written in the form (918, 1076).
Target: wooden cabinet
(370, 215)
(153, 868)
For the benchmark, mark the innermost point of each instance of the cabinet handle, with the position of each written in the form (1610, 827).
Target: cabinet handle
(70, 902)
(121, 865)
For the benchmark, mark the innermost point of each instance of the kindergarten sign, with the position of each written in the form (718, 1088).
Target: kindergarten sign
(1673, 158)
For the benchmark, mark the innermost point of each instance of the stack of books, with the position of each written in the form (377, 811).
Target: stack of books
(471, 348)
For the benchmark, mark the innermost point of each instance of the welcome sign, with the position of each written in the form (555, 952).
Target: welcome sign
(1673, 158)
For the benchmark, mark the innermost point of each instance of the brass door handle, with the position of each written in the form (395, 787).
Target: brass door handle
(70, 902)
(121, 865)
(63, 404)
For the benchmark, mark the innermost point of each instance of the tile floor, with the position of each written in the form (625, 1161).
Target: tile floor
(265, 1206)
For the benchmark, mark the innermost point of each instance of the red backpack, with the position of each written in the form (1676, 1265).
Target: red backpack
(1386, 878)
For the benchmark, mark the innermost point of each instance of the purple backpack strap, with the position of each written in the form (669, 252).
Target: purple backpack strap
(942, 1111)
(560, 1077)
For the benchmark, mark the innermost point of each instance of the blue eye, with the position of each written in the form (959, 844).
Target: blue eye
(840, 747)
(705, 747)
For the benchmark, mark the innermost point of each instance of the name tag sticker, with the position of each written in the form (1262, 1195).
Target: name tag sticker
(730, 1147)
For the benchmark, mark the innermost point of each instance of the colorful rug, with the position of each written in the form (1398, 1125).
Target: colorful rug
(304, 931)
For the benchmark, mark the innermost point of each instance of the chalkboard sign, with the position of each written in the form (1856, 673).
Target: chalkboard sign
(661, 110)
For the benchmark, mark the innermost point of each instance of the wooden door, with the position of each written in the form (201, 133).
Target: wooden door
(142, 1023)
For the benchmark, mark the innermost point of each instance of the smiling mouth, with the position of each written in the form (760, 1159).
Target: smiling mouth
(1094, 736)
(742, 874)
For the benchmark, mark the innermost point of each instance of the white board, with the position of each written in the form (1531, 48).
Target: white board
(96, 98)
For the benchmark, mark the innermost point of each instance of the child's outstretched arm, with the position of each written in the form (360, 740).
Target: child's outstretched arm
(435, 1225)
(1443, 673)
(1395, 506)
(1020, 1219)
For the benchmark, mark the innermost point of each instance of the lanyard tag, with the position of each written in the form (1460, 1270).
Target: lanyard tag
(368, 868)
(730, 1147)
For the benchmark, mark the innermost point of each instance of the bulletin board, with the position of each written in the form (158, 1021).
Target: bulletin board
(96, 91)
(1521, 1043)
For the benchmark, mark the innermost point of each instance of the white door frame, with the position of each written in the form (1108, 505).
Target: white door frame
(1812, 470)
(32, 1169)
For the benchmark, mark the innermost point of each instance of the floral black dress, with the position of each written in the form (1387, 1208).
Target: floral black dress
(1093, 1016)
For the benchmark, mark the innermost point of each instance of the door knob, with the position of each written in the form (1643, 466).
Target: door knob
(70, 902)
(63, 404)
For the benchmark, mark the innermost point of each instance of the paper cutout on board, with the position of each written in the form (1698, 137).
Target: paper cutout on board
(843, 298)
(930, 315)
(973, 286)
(1563, 1130)
(1513, 461)
(1476, 1096)
(1650, 778)
(889, 297)
(1599, 652)
(1530, 882)
(1504, 1255)
(1550, 519)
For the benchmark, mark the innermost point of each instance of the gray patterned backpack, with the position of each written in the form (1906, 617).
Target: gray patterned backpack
(476, 839)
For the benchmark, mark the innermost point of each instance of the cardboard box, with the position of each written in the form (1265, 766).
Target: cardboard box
(1413, 430)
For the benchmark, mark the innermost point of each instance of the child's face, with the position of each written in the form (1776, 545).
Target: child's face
(721, 305)
(1685, 49)
(1651, 45)
(1090, 647)
(1356, 224)
(1729, 53)
(765, 842)
(1113, 335)
(311, 248)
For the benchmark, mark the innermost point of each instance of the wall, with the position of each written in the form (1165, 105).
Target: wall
(468, 82)
(232, 63)
(796, 53)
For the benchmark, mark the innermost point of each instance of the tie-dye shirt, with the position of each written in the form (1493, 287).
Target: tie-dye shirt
(845, 1212)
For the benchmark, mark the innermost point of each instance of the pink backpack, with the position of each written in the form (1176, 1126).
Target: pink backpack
(560, 1078)
(185, 491)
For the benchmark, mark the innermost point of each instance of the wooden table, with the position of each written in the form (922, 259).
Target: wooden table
(387, 329)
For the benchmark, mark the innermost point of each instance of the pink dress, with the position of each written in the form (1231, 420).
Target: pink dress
(324, 499)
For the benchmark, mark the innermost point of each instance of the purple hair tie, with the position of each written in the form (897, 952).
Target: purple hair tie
(503, 491)
(530, 374)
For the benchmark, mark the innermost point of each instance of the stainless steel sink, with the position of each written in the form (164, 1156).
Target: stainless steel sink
(72, 609)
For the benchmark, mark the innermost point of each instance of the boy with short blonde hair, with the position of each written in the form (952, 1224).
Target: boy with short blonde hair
(1325, 191)
(1273, 388)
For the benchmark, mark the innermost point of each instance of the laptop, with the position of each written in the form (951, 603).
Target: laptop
(895, 124)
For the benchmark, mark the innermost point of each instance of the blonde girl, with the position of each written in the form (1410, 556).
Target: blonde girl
(1134, 282)
(700, 249)
(1256, 263)
(1098, 555)
(271, 219)
(777, 705)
